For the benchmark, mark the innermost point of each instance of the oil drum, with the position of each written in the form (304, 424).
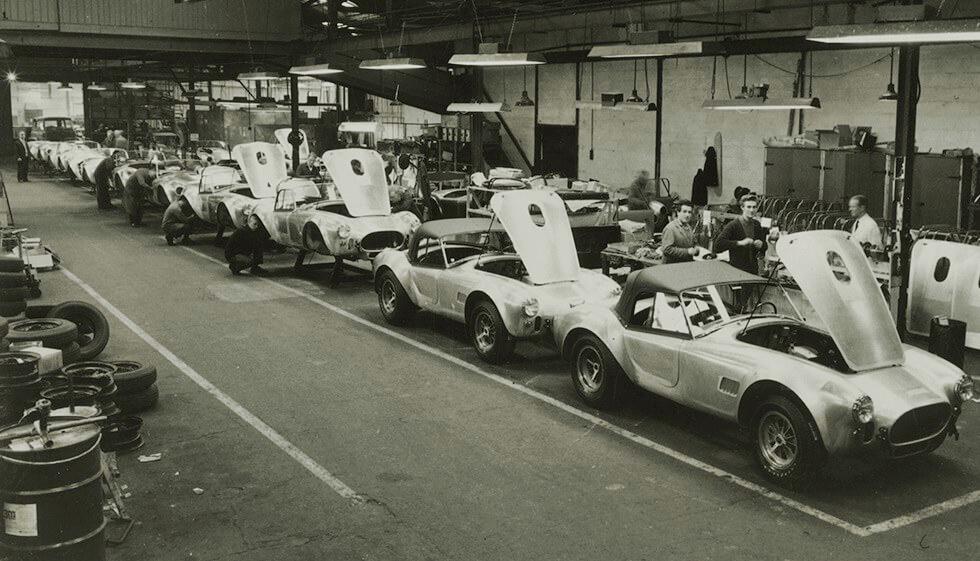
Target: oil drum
(52, 497)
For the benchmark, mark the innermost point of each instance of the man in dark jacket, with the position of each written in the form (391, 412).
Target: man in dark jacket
(244, 247)
(178, 222)
(677, 243)
(136, 187)
(743, 238)
(23, 156)
(103, 182)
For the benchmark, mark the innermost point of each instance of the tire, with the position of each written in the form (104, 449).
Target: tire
(396, 306)
(12, 308)
(93, 327)
(138, 402)
(11, 264)
(13, 280)
(780, 418)
(132, 376)
(15, 294)
(489, 335)
(52, 332)
(71, 354)
(596, 375)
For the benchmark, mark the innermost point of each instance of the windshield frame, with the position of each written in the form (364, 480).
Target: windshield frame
(719, 324)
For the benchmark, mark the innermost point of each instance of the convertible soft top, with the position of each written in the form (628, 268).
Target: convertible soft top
(678, 277)
(451, 226)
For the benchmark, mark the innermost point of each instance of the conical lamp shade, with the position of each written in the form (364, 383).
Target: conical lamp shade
(890, 94)
(525, 100)
(634, 97)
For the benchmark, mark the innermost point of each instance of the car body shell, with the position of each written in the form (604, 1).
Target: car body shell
(553, 280)
(723, 374)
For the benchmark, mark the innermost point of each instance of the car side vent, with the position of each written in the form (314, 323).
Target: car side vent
(728, 386)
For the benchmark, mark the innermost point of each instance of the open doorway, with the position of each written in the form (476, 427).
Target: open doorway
(557, 150)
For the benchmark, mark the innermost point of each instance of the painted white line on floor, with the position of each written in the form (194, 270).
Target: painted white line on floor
(922, 514)
(258, 424)
(629, 435)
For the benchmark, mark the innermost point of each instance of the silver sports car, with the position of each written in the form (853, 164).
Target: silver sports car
(467, 270)
(728, 343)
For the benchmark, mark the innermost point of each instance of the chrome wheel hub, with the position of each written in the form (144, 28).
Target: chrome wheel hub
(483, 329)
(388, 297)
(589, 369)
(777, 440)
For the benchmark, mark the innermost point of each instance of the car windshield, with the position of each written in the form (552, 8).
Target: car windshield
(306, 194)
(708, 308)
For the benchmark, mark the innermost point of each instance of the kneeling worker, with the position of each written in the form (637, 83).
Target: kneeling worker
(244, 247)
(178, 222)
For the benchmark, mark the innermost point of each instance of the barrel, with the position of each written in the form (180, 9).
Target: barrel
(20, 384)
(947, 338)
(52, 497)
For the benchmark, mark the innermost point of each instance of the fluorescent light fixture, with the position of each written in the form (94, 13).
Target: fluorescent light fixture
(596, 105)
(64, 87)
(314, 70)
(96, 88)
(359, 126)
(475, 108)
(499, 59)
(937, 31)
(646, 51)
(489, 55)
(258, 76)
(762, 104)
(392, 63)
(129, 84)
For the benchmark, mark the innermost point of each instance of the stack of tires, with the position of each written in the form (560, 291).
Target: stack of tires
(20, 385)
(52, 333)
(136, 388)
(13, 286)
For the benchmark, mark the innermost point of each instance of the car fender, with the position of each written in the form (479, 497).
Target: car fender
(509, 301)
(396, 261)
(595, 319)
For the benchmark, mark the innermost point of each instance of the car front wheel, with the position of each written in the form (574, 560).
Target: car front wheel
(787, 447)
(596, 375)
(490, 337)
(396, 306)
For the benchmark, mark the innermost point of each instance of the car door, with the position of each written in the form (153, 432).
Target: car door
(285, 204)
(427, 270)
(656, 332)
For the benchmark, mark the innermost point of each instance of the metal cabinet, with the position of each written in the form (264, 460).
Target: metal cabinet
(940, 189)
(831, 175)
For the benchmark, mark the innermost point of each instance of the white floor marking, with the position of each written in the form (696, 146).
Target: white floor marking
(861, 531)
(258, 424)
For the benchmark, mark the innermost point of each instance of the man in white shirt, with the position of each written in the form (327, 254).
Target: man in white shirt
(865, 231)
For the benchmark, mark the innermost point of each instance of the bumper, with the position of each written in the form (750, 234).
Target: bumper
(874, 442)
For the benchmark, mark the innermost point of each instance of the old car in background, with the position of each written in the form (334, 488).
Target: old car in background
(728, 343)
(211, 151)
(54, 129)
(350, 219)
(506, 278)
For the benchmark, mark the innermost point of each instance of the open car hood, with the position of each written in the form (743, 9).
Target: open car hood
(542, 238)
(264, 166)
(282, 136)
(836, 278)
(359, 175)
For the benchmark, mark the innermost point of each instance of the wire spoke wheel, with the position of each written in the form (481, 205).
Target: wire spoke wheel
(484, 332)
(777, 440)
(589, 368)
(389, 297)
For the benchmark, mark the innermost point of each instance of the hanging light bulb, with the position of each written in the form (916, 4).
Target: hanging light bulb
(890, 93)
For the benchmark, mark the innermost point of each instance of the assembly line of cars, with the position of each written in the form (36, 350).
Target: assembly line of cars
(703, 334)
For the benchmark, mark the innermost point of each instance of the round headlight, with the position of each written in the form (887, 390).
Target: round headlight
(863, 410)
(964, 388)
(531, 308)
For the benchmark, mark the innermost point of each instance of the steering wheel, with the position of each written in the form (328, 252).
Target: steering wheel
(761, 304)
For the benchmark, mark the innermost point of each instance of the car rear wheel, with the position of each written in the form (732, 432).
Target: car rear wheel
(787, 447)
(396, 306)
(596, 375)
(490, 337)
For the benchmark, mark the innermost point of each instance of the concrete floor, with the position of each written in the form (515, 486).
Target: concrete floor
(446, 457)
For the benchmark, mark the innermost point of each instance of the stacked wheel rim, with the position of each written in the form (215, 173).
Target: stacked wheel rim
(92, 373)
(52, 333)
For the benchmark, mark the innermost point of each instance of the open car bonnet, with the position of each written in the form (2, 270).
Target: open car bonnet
(282, 136)
(359, 175)
(538, 226)
(264, 166)
(836, 278)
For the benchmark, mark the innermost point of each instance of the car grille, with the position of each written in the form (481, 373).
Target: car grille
(919, 423)
(376, 241)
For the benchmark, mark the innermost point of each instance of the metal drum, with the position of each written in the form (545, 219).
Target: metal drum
(52, 497)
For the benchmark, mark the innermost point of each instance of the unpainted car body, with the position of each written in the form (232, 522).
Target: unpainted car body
(853, 389)
(357, 224)
(461, 269)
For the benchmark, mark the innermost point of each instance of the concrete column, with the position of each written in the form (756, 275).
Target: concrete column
(658, 139)
(6, 121)
(295, 139)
